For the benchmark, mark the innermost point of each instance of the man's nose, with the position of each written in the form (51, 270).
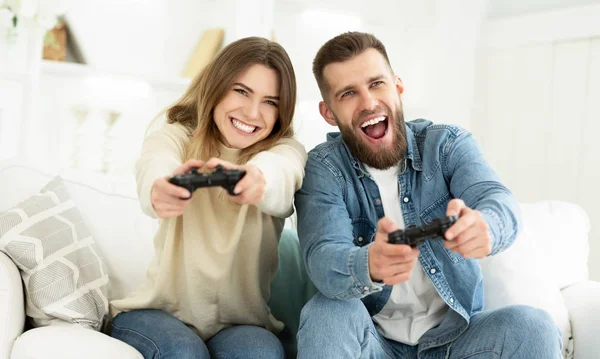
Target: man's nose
(367, 101)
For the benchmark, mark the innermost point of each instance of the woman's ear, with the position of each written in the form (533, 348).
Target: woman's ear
(326, 113)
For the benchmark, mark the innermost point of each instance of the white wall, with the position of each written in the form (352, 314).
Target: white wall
(538, 110)
(431, 45)
(528, 72)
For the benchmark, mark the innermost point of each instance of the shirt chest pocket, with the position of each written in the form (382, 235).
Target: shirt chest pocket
(362, 231)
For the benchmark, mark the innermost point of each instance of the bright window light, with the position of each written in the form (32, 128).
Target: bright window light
(331, 22)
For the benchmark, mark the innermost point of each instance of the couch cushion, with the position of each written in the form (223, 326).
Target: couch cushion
(109, 207)
(559, 232)
(540, 263)
(290, 289)
(63, 274)
(70, 342)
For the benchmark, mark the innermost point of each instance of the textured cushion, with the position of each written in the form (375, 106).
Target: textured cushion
(63, 274)
(70, 342)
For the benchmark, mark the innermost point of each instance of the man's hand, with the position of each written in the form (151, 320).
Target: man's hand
(390, 263)
(470, 235)
(168, 200)
(250, 189)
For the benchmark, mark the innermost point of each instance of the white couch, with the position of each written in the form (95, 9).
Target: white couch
(547, 267)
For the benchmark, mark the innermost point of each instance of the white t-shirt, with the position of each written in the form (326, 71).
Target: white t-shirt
(414, 306)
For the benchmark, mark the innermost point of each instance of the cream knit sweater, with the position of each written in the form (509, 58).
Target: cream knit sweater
(213, 265)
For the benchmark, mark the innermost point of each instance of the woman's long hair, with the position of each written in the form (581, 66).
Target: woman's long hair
(194, 109)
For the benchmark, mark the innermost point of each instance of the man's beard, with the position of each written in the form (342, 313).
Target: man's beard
(381, 158)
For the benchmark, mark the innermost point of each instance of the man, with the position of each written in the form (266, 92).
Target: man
(383, 300)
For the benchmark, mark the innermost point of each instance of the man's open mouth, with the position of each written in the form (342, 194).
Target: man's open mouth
(376, 127)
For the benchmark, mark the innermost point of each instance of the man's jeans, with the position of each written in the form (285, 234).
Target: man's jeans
(332, 329)
(156, 334)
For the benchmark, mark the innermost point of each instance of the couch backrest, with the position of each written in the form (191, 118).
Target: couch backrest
(553, 241)
(111, 211)
(549, 254)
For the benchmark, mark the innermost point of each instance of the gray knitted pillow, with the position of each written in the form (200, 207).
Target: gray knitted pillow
(64, 276)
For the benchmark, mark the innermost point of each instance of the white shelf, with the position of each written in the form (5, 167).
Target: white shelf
(80, 70)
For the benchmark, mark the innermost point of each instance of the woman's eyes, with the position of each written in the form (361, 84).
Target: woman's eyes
(245, 93)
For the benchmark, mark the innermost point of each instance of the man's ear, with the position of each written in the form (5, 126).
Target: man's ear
(399, 85)
(326, 113)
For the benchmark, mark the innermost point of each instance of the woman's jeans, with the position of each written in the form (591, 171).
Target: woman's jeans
(158, 335)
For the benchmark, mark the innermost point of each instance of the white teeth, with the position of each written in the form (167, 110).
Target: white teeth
(242, 127)
(373, 121)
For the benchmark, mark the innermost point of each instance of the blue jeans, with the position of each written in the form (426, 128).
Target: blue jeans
(158, 335)
(332, 328)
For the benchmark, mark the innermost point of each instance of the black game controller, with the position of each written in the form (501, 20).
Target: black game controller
(220, 177)
(414, 236)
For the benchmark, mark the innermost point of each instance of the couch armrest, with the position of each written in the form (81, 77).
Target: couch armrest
(583, 303)
(70, 341)
(12, 306)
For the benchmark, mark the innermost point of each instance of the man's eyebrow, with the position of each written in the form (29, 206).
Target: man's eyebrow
(375, 78)
(339, 92)
(350, 87)
(252, 91)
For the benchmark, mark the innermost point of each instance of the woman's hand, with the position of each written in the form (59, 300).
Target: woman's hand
(250, 189)
(169, 200)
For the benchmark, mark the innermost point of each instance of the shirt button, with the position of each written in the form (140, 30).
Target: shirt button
(378, 201)
(451, 300)
(360, 239)
(366, 288)
(432, 271)
(405, 199)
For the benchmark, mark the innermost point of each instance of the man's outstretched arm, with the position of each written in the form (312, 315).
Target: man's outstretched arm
(474, 181)
(338, 268)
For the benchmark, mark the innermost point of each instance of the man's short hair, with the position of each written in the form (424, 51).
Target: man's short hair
(342, 48)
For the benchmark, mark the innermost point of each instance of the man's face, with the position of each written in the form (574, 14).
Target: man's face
(364, 102)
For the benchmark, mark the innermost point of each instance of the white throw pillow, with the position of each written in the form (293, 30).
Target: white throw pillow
(64, 276)
(516, 276)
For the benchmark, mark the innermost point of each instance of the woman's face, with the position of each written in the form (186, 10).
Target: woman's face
(249, 109)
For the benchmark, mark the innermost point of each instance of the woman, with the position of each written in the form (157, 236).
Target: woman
(208, 283)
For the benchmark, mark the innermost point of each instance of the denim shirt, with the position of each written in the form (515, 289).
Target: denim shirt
(339, 205)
